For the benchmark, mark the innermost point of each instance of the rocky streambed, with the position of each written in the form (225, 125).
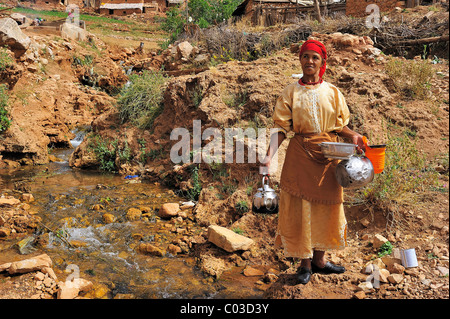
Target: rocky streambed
(126, 237)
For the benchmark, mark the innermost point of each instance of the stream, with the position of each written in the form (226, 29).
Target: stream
(71, 203)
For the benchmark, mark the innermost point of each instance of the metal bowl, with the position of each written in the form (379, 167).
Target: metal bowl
(337, 150)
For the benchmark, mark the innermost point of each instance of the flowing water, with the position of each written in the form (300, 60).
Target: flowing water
(72, 202)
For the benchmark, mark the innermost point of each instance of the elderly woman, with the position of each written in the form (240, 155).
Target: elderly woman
(311, 216)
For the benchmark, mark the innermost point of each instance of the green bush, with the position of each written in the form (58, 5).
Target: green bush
(5, 122)
(140, 102)
(5, 59)
(200, 12)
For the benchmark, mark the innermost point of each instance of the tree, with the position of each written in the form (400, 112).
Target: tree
(317, 10)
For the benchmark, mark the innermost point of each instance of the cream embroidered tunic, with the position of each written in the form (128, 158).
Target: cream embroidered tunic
(311, 109)
(304, 226)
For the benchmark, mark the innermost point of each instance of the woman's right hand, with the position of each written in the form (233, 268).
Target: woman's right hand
(265, 166)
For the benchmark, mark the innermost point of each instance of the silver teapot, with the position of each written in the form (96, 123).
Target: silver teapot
(354, 172)
(265, 201)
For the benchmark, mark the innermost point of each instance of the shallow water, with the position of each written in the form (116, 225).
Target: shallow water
(106, 254)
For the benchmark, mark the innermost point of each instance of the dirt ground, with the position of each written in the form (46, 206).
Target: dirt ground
(42, 119)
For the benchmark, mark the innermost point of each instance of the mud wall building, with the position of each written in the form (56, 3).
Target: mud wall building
(357, 8)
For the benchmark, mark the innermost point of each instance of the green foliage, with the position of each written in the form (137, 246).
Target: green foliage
(173, 23)
(5, 59)
(108, 153)
(87, 60)
(207, 12)
(385, 249)
(196, 189)
(203, 13)
(5, 122)
(241, 207)
(141, 101)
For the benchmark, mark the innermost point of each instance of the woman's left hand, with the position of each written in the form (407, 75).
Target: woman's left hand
(358, 141)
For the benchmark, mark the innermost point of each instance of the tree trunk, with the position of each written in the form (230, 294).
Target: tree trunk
(317, 9)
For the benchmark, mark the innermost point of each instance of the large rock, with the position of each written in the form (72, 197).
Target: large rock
(228, 239)
(169, 210)
(72, 32)
(13, 37)
(71, 289)
(184, 50)
(379, 241)
(9, 202)
(27, 265)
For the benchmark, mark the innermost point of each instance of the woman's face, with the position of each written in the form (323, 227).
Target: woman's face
(311, 62)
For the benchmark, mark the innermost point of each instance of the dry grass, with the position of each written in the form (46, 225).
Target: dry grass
(412, 78)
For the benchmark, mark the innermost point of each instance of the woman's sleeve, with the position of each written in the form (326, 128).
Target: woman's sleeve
(342, 111)
(282, 115)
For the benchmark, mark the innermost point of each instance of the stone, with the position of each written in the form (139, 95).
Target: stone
(72, 32)
(133, 214)
(169, 210)
(365, 286)
(28, 198)
(184, 50)
(379, 241)
(359, 295)
(395, 278)
(376, 264)
(31, 264)
(108, 218)
(345, 40)
(151, 249)
(228, 239)
(390, 260)
(39, 276)
(251, 272)
(383, 275)
(396, 268)
(174, 249)
(4, 232)
(4, 267)
(13, 37)
(49, 271)
(442, 270)
(9, 202)
(71, 289)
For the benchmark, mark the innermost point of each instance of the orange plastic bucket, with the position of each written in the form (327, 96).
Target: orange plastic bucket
(376, 154)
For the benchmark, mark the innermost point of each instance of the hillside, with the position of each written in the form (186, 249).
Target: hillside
(60, 85)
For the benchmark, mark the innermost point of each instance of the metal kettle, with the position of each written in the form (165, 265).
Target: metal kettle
(265, 200)
(355, 172)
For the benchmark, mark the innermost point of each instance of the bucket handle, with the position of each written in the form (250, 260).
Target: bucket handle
(265, 176)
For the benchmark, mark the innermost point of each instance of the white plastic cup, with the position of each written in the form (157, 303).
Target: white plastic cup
(409, 258)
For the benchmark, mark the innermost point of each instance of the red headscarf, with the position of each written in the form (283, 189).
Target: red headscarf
(316, 46)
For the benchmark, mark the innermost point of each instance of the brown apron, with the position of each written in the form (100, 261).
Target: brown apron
(307, 173)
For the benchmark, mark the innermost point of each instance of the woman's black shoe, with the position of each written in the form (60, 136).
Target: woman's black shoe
(303, 275)
(329, 268)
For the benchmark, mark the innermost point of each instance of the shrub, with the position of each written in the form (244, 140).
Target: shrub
(385, 249)
(411, 77)
(406, 175)
(5, 59)
(108, 153)
(140, 102)
(5, 122)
